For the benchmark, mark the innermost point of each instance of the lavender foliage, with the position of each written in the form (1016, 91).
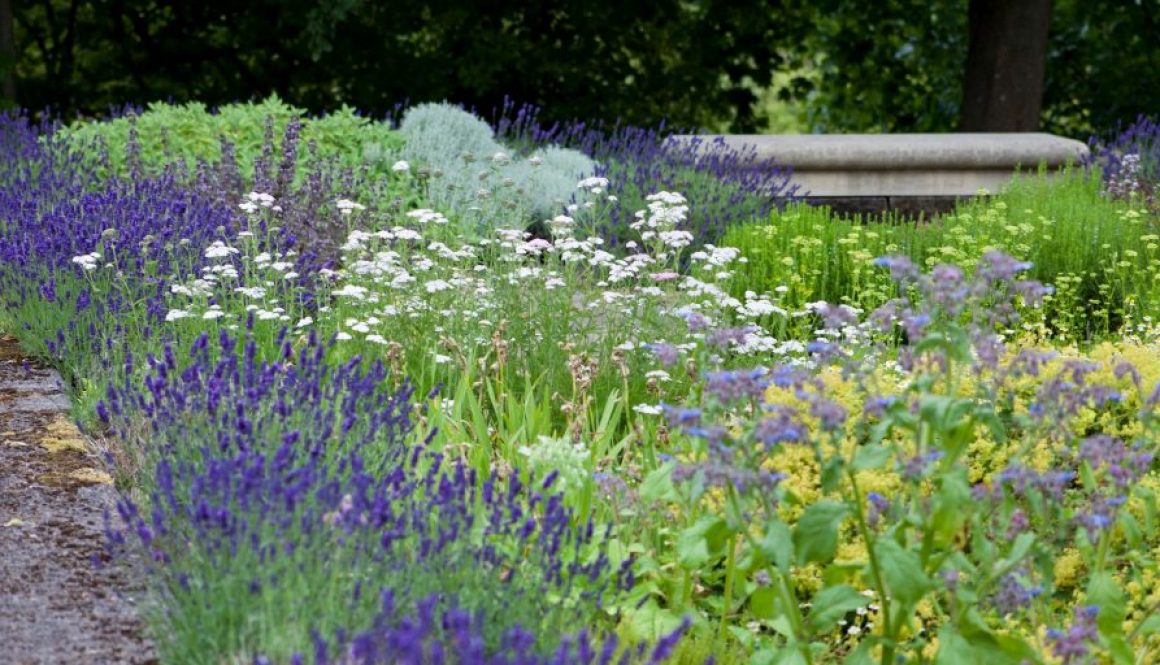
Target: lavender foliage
(266, 469)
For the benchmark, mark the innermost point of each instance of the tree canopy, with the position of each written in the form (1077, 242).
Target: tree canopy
(895, 65)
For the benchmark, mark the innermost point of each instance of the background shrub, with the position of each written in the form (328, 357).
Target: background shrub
(481, 181)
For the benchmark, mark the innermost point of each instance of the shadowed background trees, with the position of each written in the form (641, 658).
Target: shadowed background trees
(1070, 66)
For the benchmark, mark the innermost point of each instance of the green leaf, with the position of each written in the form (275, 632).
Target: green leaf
(765, 656)
(777, 544)
(951, 502)
(831, 604)
(902, 570)
(870, 457)
(1151, 626)
(832, 473)
(658, 485)
(1131, 528)
(1019, 549)
(649, 621)
(763, 603)
(1105, 593)
(790, 655)
(815, 538)
(953, 648)
(702, 542)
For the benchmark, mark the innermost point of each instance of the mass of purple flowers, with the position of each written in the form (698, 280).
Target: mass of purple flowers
(260, 471)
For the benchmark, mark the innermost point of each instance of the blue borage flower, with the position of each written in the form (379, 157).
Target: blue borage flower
(1074, 643)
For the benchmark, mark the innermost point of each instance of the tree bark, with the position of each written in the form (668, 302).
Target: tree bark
(1006, 61)
(7, 53)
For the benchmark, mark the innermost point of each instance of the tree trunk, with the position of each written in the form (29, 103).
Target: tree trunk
(7, 54)
(1006, 60)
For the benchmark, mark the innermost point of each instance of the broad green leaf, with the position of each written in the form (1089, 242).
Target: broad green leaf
(777, 544)
(763, 603)
(815, 538)
(831, 604)
(702, 542)
(870, 457)
(832, 474)
(658, 485)
(1019, 549)
(953, 648)
(1104, 592)
(649, 621)
(766, 656)
(1151, 626)
(790, 655)
(1131, 528)
(951, 503)
(902, 570)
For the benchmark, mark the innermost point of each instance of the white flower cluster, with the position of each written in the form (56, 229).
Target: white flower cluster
(256, 200)
(263, 273)
(594, 184)
(426, 216)
(87, 261)
(346, 206)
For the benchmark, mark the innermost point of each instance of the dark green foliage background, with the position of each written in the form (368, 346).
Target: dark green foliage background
(894, 65)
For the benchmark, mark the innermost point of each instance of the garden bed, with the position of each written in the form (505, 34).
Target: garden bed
(538, 394)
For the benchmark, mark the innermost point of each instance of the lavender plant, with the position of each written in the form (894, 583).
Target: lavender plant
(1130, 163)
(289, 489)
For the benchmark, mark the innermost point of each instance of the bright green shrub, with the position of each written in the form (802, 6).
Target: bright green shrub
(187, 133)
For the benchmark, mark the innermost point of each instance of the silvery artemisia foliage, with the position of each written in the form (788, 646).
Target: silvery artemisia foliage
(474, 177)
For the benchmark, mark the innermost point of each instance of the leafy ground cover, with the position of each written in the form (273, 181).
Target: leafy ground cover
(352, 424)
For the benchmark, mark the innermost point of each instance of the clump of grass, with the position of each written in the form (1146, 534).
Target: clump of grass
(1100, 254)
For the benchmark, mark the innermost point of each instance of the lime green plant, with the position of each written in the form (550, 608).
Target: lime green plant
(190, 132)
(1101, 255)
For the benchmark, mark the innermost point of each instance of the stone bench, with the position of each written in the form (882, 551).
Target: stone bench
(905, 173)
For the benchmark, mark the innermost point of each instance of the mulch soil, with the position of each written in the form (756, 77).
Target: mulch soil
(61, 599)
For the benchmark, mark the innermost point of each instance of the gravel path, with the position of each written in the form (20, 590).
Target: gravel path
(57, 604)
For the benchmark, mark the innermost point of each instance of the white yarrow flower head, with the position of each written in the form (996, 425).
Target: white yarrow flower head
(303, 322)
(175, 314)
(346, 206)
(87, 261)
(594, 184)
(219, 249)
(561, 226)
(427, 216)
(401, 166)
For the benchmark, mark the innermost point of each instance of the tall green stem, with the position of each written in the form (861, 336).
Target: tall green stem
(727, 603)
